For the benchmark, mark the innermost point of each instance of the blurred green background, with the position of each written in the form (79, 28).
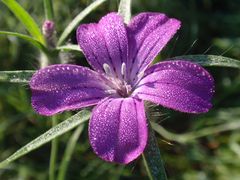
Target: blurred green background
(208, 27)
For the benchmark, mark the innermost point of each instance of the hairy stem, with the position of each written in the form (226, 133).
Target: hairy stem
(54, 151)
(68, 153)
(152, 159)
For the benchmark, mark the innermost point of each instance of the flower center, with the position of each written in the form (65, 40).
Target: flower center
(119, 83)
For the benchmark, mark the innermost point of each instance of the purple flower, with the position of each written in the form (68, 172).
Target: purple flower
(123, 78)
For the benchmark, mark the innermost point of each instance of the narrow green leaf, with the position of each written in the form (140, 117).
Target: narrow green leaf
(211, 60)
(124, 10)
(192, 136)
(48, 8)
(75, 22)
(68, 152)
(16, 76)
(52, 133)
(152, 158)
(25, 19)
(35, 42)
(70, 47)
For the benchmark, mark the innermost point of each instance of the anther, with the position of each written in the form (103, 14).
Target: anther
(123, 69)
(107, 69)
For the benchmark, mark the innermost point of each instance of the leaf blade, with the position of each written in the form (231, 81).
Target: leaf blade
(52, 133)
(25, 18)
(35, 42)
(124, 10)
(16, 76)
(210, 60)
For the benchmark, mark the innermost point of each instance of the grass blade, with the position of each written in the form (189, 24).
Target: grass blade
(25, 19)
(210, 60)
(16, 76)
(152, 159)
(124, 10)
(75, 22)
(52, 133)
(35, 42)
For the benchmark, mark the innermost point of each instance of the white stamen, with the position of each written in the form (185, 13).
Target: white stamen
(111, 91)
(107, 69)
(140, 75)
(124, 69)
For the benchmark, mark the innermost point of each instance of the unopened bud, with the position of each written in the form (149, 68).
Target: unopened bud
(48, 28)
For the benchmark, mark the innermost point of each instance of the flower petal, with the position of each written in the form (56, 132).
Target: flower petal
(65, 87)
(105, 42)
(118, 129)
(148, 33)
(180, 85)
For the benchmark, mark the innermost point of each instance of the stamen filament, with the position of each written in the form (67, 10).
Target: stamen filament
(111, 91)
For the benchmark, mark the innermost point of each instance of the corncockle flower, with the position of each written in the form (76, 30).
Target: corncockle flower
(123, 78)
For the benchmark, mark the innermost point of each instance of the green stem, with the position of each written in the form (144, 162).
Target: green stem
(43, 60)
(48, 8)
(68, 153)
(54, 151)
(152, 158)
(191, 136)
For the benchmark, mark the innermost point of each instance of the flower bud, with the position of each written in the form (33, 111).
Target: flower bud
(48, 29)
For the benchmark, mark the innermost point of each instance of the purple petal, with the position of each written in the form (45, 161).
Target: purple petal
(65, 87)
(105, 42)
(180, 85)
(148, 33)
(118, 129)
